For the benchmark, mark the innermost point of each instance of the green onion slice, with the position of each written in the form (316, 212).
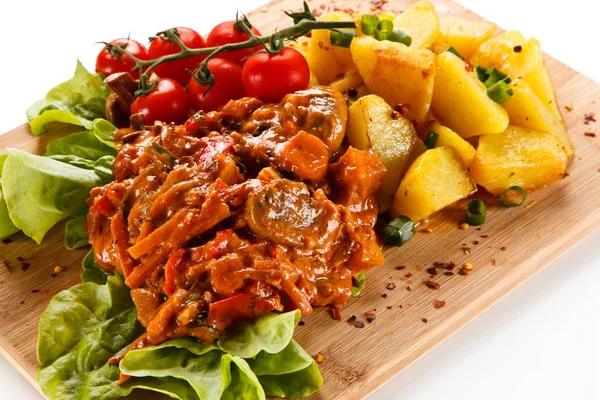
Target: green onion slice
(475, 212)
(456, 53)
(369, 24)
(500, 92)
(431, 139)
(490, 76)
(384, 29)
(399, 230)
(342, 38)
(400, 37)
(509, 202)
(482, 73)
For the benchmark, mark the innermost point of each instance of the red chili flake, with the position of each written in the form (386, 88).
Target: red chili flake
(319, 358)
(590, 134)
(46, 292)
(35, 291)
(485, 236)
(468, 67)
(25, 266)
(475, 242)
(335, 314)
(437, 304)
(463, 271)
(7, 241)
(517, 49)
(589, 117)
(400, 306)
(424, 320)
(401, 267)
(448, 273)
(389, 307)
(503, 248)
(432, 285)
(359, 324)
(466, 250)
(301, 323)
(409, 275)
(431, 271)
(391, 286)
(351, 319)
(409, 288)
(384, 295)
(493, 261)
(7, 266)
(370, 315)
(449, 266)
(22, 302)
(20, 259)
(402, 108)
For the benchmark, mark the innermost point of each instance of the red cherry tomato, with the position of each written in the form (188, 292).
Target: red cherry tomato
(228, 86)
(269, 77)
(167, 103)
(177, 69)
(108, 64)
(226, 33)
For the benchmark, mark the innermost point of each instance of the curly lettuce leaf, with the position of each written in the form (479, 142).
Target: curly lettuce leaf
(77, 101)
(7, 227)
(79, 331)
(75, 236)
(91, 144)
(54, 191)
(92, 272)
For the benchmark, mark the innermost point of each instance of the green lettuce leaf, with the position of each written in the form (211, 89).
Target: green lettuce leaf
(91, 144)
(7, 227)
(360, 279)
(54, 191)
(77, 101)
(75, 236)
(92, 272)
(79, 331)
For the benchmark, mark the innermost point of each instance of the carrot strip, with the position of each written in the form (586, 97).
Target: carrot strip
(172, 269)
(159, 236)
(166, 313)
(148, 265)
(118, 228)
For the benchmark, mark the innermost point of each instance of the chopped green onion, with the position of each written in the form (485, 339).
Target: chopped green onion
(491, 75)
(368, 24)
(399, 230)
(384, 29)
(431, 139)
(400, 37)
(500, 92)
(482, 73)
(342, 38)
(456, 53)
(475, 212)
(509, 202)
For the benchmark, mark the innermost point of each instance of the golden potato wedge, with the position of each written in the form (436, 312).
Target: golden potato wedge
(448, 138)
(370, 125)
(351, 80)
(434, 181)
(518, 157)
(525, 109)
(461, 103)
(441, 44)
(466, 35)
(328, 62)
(528, 64)
(397, 73)
(421, 23)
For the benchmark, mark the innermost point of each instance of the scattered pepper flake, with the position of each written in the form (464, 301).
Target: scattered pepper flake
(432, 285)
(449, 266)
(20, 259)
(7, 241)
(468, 266)
(569, 107)
(590, 134)
(410, 289)
(448, 273)
(437, 304)
(351, 319)
(466, 250)
(475, 242)
(409, 275)
(319, 358)
(401, 267)
(301, 323)
(589, 117)
(503, 248)
(384, 295)
(427, 230)
(533, 203)
(58, 269)
(35, 291)
(7, 266)
(518, 48)
(468, 66)
(359, 324)
(370, 315)
(493, 261)
(424, 320)
(22, 302)
(46, 292)
(464, 226)
(432, 271)
(391, 286)
(464, 271)
(389, 307)
(400, 306)
(485, 236)
(25, 266)
(335, 314)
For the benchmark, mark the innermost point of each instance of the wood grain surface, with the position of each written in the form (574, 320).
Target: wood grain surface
(512, 246)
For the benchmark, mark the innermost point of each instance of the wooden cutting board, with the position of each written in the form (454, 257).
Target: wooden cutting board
(512, 246)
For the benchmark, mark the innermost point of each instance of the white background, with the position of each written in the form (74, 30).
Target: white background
(541, 342)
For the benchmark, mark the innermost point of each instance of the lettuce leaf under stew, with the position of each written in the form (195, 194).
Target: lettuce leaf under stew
(77, 101)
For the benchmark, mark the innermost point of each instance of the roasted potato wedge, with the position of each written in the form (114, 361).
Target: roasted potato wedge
(518, 157)
(466, 35)
(421, 23)
(350, 80)
(461, 103)
(370, 125)
(434, 181)
(441, 44)
(397, 73)
(527, 110)
(328, 62)
(527, 63)
(448, 138)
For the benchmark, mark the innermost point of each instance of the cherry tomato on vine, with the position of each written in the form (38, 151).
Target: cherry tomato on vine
(108, 64)
(168, 102)
(269, 77)
(228, 86)
(177, 69)
(226, 33)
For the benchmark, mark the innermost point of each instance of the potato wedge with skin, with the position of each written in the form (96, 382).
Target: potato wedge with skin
(351, 80)
(441, 44)
(461, 103)
(370, 125)
(434, 181)
(525, 109)
(527, 64)
(518, 157)
(466, 35)
(448, 138)
(421, 23)
(328, 62)
(397, 73)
